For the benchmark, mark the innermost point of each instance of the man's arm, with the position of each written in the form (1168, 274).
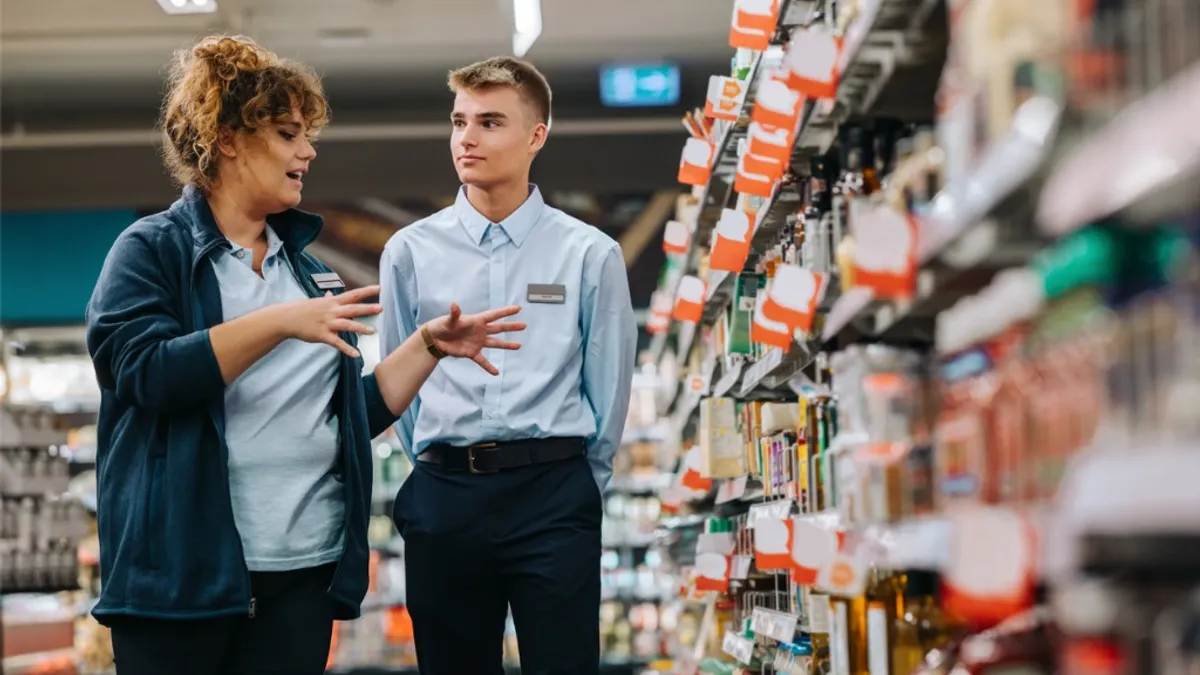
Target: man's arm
(610, 339)
(398, 323)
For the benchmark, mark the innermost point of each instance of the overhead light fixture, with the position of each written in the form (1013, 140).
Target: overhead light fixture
(188, 6)
(527, 25)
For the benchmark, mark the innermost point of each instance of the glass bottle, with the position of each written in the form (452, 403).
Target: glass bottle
(922, 626)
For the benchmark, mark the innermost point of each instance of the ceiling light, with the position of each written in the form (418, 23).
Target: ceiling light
(188, 6)
(527, 25)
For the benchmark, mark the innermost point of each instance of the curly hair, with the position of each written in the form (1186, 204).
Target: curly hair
(230, 82)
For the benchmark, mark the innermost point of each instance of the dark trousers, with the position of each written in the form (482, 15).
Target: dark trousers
(475, 545)
(289, 634)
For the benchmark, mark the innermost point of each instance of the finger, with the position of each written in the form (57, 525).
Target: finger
(501, 344)
(358, 294)
(507, 327)
(455, 312)
(343, 347)
(485, 364)
(359, 310)
(352, 327)
(329, 294)
(494, 314)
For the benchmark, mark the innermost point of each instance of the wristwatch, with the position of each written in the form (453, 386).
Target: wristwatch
(433, 348)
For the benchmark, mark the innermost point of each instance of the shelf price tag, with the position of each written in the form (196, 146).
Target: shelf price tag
(775, 625)
(756, 175)
(772, 543)
(689, 299)
(776, 106)
(753, 23)
(740, 648)
(676, 237)
(725, 99)
(731, 241)
(695, 164)
(813, 548)
(712, 572)
(692, 477)
(764, 331)
(770, 142)
(793, 296)
(885, 251)
(811, 62)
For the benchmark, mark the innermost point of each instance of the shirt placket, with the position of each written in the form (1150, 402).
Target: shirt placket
(497, 262)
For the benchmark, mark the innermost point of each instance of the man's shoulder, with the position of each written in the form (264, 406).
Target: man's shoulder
(424, 231)
(596, 242)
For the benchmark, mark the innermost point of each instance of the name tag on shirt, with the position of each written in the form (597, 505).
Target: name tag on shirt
(328, 280)
(553, 294)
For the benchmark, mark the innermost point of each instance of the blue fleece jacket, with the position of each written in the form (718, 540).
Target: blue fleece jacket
(168, 544)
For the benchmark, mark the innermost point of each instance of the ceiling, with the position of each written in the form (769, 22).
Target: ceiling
(73, 40)
(81, 82)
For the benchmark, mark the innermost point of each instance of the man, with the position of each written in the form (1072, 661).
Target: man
(504, 505)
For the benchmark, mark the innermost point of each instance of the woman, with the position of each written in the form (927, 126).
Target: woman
(235, 425)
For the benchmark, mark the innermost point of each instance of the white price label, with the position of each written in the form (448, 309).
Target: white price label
(740, 569)
(740, 648)
(775, 625)
(732, 488)
(780, 509)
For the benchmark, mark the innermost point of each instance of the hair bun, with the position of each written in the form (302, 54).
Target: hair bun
(231, 55)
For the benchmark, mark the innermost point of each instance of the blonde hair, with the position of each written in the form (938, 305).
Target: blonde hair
(505, 71)
(230, 82)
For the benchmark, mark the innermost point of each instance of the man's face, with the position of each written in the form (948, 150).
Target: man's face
(495, 137)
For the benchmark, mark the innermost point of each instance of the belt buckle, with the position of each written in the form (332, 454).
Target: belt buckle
(471, 457)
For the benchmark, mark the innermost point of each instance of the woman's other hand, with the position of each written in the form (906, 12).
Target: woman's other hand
(321, 319)
(466, 336)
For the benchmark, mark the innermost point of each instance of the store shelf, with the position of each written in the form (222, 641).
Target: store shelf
(1143, 162)
(1000, 183)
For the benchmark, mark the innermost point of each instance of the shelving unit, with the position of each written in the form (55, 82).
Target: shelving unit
(1026, 264)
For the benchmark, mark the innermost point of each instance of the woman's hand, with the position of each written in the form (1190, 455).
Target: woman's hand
(321, 319)
(467, 336)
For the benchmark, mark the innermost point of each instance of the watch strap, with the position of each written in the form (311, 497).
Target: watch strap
(429, 344)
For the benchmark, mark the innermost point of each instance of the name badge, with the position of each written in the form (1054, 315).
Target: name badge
(328, 280)
(554, 294)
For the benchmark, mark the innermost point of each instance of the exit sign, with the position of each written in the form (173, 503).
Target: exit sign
(639, 86)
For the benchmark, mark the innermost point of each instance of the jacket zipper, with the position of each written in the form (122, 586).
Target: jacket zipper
(252, 605)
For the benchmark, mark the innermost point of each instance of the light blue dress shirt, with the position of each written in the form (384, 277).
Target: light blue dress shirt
(280, 428)
(573, 373)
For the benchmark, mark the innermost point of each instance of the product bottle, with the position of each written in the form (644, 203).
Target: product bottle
(884, 609)
(921, 627)
(848, 635)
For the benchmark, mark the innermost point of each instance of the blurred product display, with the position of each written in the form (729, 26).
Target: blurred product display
(938, 385)
(922, 385)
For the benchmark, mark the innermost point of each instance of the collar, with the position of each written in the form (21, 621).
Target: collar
(294, 228)
(517, 225)
(274, 244)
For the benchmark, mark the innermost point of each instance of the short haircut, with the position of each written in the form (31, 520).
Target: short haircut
(505, 71)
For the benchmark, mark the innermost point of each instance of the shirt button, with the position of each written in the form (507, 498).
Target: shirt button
(240, 253)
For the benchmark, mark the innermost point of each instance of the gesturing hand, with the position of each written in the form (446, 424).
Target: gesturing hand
(467, 336)
(321, 319)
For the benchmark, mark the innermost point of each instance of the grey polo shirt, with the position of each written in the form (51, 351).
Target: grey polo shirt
(288, 499)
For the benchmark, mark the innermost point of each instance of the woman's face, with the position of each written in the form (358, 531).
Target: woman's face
(268, 166)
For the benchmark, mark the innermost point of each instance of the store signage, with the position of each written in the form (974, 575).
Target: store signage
(634, 86)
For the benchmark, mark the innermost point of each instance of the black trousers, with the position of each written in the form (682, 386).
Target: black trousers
(289, 634)
(475, 545)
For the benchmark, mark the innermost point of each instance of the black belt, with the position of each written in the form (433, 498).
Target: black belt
(500, 455)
